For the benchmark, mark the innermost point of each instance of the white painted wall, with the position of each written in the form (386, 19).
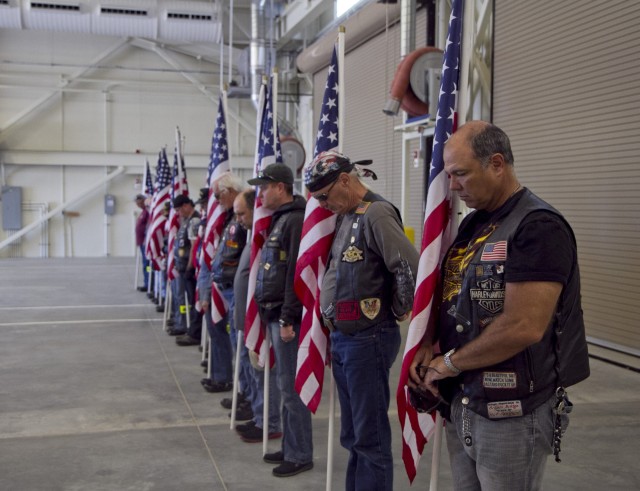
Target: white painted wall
(118, 113)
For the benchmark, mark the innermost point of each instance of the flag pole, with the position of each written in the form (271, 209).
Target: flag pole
(466, 48)
(332, 383)
(267, 364)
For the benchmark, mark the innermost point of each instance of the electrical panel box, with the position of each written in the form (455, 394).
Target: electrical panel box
(109, 204)
(11, 208)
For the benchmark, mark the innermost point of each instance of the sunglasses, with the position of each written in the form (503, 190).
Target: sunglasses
(325, 196)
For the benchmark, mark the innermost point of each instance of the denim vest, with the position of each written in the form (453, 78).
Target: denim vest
(227, 255)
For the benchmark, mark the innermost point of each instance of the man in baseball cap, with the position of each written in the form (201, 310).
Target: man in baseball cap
(273, 173)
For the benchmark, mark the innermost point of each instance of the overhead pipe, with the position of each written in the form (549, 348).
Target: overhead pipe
(257, 50)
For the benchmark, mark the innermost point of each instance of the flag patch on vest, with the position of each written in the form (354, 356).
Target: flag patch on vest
(370, 307)
(499, 380)
(495, 251)
(504, 409)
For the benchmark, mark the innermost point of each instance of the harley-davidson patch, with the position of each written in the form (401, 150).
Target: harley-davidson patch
(489, 295)
(370, 307)
(352, 254)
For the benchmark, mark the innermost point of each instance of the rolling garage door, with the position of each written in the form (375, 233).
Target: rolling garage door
(567, 91)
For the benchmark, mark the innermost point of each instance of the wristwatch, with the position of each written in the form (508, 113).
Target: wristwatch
(449, 364)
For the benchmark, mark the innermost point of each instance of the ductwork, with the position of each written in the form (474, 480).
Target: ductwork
(257, 48)
(360, 27)
(180, 20)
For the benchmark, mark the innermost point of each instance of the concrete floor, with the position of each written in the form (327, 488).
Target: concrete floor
(95, 396)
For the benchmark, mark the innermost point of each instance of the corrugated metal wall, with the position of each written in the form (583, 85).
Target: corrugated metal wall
(566, 90)
(369, 133)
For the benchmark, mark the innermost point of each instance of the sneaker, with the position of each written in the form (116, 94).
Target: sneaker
(254, 435)
(205, 381)
(245, 427)
(214, 387)
(186, 340)
(274, 458)
(174, 332)
(287, 469)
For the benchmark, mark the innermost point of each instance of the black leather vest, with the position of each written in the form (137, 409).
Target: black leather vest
(520, 384)
(364, 285)
(227, 255)
(272, 271)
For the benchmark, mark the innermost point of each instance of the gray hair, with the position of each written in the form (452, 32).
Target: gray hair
(490, 140)
(230, 181)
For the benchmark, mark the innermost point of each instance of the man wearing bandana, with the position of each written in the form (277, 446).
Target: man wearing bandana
(368, 287)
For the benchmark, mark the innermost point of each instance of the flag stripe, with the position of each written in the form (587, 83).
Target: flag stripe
(317, 235)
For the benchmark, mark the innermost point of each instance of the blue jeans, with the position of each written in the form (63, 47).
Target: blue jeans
(361, 364)
(221, 356)
(255, 393)
(297, 442)
(506, 454)
(145, 265)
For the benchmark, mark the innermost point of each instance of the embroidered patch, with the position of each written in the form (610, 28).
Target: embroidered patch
(232, 229)
(495, 251)
(347, 311)
(283, 255)
(181, 252)
(499, 380)
(370, 307)
(352, 254)
(232, 243)
(267, 266)
(362, 207)
(489, 295)
(504, 409)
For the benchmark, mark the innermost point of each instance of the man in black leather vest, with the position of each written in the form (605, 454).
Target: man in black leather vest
(367, 288)
(186, 280)
(281, 310)
(509, 322)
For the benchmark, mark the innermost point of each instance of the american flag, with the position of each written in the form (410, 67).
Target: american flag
(148, 180)
(179, 187)
(495, 251)
(317, 236)
(218, 164)
(156, 231)
(417, 428)
(268, 152)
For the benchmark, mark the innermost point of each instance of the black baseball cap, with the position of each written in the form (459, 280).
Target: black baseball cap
(273, 173)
